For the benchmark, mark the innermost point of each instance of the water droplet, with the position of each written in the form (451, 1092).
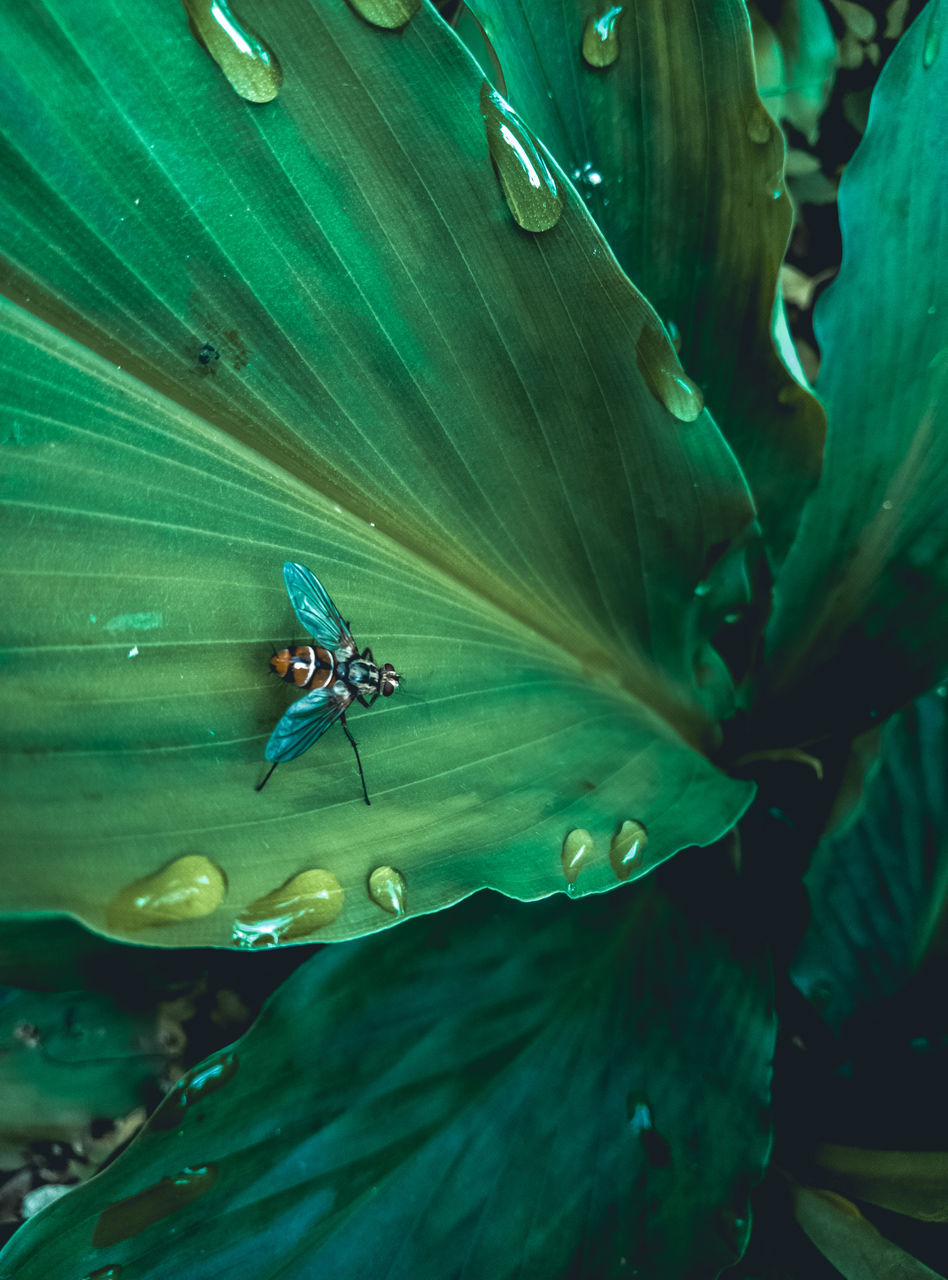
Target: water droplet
(388, 14)
(133, 652)
(759, 128)
(664, 375)
(601, 38)
(942, 690)
(627, 847)
(245, 60)
(387, 888)
(307, 902)
(186, 889)
(204, 1080)
(587, 180)
(887, 505)
(776, 193)
(525, 179)
(577, 850)
(674, 335)
(657, 1151)
(703, 588)
(932, 39)
(126, 1218)
(111, 1271)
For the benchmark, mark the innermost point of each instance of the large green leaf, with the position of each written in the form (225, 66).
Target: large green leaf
(459, 425)
(501, 1090)
(653, 109)
(861, 612)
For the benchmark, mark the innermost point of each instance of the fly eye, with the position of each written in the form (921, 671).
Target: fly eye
(387, 690)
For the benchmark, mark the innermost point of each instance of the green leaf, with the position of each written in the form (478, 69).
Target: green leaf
(461, 427)
(562, 1089)
(660, 125)
(878, 885)
(861, 617)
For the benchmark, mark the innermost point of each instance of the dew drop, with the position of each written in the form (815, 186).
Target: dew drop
(307, 902)
(525, 179)
(627, 847)
(664, 375)
(601, 38)
(657, 1150)
(251, 68)
(932, 40)
(111, 1271)
(126, 1218)
(588, 180)
(759, 127)
(186, 889)
(388, 14)
(674, 335)
(205, 1080)
(577, 850)
(387, 888)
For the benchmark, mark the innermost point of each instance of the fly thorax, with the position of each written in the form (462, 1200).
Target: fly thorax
(363, 675)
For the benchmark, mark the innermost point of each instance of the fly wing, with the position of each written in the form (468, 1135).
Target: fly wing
(305, 721)
(315, 610)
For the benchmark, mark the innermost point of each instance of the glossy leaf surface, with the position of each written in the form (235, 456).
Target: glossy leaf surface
(311, 330)
(860, 618)
(653, 110)
(500, 1090)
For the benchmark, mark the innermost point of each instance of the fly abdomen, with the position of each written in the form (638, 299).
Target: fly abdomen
(306, 667)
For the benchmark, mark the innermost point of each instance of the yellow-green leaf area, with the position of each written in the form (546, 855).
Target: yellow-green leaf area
(328, 342)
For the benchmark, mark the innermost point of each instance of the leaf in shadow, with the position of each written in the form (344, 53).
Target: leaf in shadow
(566, 1088)
(859, 621)
(877, 886)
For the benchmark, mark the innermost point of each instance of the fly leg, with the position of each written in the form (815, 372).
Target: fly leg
(261, 785)
(345, 729)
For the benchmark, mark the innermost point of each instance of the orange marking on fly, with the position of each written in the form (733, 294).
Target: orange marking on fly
(332, 671)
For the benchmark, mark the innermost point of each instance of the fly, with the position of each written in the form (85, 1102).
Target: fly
(331, 670)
